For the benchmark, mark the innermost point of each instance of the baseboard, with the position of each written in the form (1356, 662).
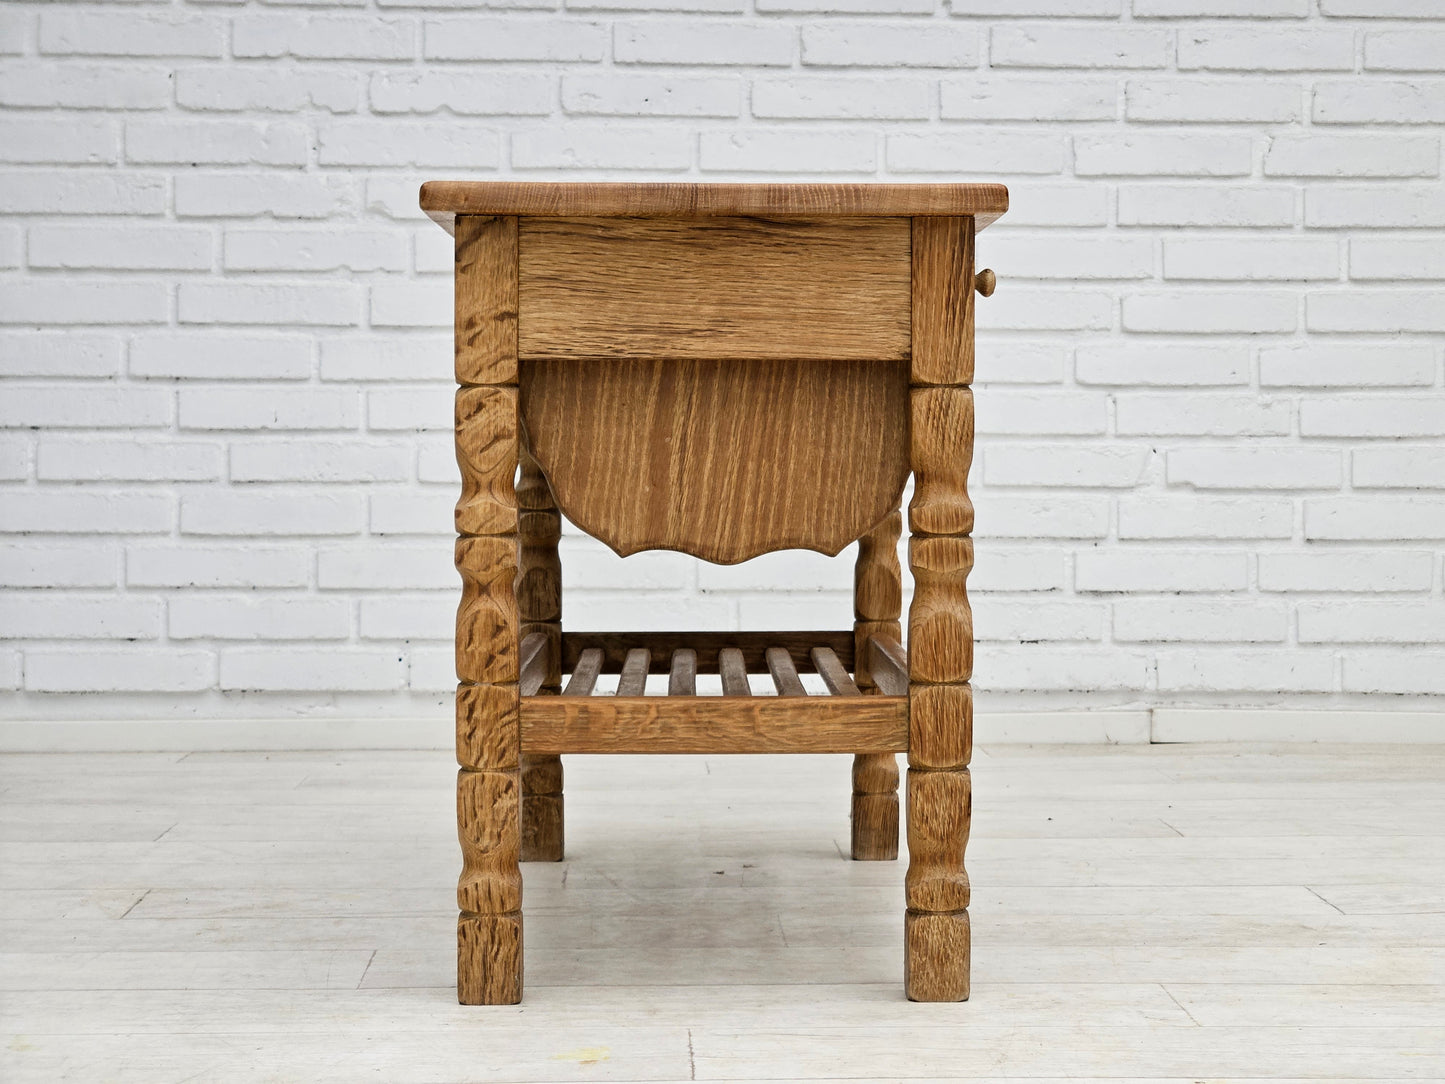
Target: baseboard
(1161, 725)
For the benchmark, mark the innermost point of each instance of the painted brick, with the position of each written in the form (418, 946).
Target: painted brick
(49, 615)
(1043, 413)
(515, 39)
(703, 43)
(128, 460)
(420, 617)
(54, 565)
(650, 96)
(1031, 518)
(234, 195)
(787, 150)
(247, 617)
(1044, 46)
(1042, 465)
(1326, 365)
(463, 93)
(609, 146)
(12, 245)
(140, 33)
(1407, 467)
(406, 143)
(1030, 100)
(1252, 259)
(1161, 365)
(1076, 9)
(418, 510)
(1017, 568)
(410, 408)
(1385, 311)
(410, 358)
(14, 459)
(1151, 517)
(269, 408)
(272, 304)
(1366, 622)
(406, 304)
(1198, 205)
(84, 86)
(271, 512)
(1375, 518)
(1213, 101)
(1266, 50)
(81, 141)
(1415, 101)
(1373, 416)
(878, 45)
(1385, 258)
(1346, 570)
(1268, 467)
(1198, 620)
(216, 142)
(148, 671)
(14, 32)
(1246, 671)
(1206, 415)
(314, 250)
(1056, 668)
(1352, 156)
(1011, 621)
(83, 302)
(58, 354)
(1405, 51)
(43, 192)
(1418, 672)
(1361, 206)
(223, 356)
(1040, 204)
(843, 98)
(716, 7)
(250, 566)
(319, 461)
(1381, 9)
(1221, 9)
(1024, 309)
(1131, 569)
(89, 512)
(1011, 361)
(229, 89)
(310, 670)
(391, 566)
(849, 7)
(323, 37)
(1212, 312)
(84, 407)
(1163, 154)
(121, 248)
(990, 151)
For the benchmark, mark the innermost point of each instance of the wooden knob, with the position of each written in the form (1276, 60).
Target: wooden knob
(985, 281)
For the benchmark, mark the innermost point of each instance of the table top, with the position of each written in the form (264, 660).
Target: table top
(443, 200)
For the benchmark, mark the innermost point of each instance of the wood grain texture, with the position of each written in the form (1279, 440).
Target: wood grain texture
(943, 289)
(532, 669)
(940, 726)
(685, 443)
(633, 680)
(889, 665)
(682, 680)
(444, 199)
(734, 671)
(488, 820)
(940, 624)
(488, 734)
(726, 289)
(485, 286)
(877, 605)
(939, 811)
(752, 646)
(543, 830)
(834, 676)
(940, 453)
(714, 724)
(936, 956)
(486, 639)
(486, 445)
(489, 959)
(584, 673)
(784, 672)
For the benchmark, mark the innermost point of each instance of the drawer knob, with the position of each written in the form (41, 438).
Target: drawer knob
(985, 281)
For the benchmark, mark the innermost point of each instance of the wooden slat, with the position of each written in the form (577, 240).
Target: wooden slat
(633, 681)
(682, 681)
(834, 676)
(726, 289)
(444, 199)
(584, 673)
(734, 672)
(889, 665)
(714, 724)
(752, 645)
(534, 663)
(785, 673)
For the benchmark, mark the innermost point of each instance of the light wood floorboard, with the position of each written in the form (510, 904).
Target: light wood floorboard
(1158, 914)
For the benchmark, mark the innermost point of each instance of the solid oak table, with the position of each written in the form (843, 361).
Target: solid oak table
(725, 370)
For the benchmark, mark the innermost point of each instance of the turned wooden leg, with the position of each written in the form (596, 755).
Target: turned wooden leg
(940, 626)
(877, 604)
(539, 606)
(489, 785)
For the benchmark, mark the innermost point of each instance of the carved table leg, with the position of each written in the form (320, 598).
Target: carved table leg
(940, 626)
(877, 604)
(539, 606)
(489, 789)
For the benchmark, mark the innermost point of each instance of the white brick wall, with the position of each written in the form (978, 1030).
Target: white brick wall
(1211, 463)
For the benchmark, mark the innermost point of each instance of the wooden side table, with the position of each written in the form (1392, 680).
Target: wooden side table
(724, 370)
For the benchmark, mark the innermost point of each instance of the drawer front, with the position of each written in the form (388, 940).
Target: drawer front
(713, 288)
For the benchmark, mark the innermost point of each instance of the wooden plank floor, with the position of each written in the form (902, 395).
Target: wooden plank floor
(1169, 914)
